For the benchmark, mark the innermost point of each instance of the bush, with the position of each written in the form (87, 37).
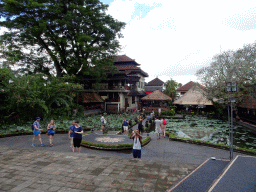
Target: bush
(171, 112)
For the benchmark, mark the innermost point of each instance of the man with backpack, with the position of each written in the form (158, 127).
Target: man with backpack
(36, 132)
(163, 126)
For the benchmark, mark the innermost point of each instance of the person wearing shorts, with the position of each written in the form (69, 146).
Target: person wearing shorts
(158, 128)
(77, 136)
(37, 132)
(125, 126)
(51, 131)
(163, 126)
(70, 135)
(102, 119)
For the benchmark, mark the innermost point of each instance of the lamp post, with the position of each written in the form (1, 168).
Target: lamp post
(231, 87)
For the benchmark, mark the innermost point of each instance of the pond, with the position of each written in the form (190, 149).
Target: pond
(211, 130)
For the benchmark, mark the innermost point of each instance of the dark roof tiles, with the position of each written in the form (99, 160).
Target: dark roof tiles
(186, 87)
(155, 82)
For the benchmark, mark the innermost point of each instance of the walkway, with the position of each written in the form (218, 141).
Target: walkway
(163, 163)
(36, 170)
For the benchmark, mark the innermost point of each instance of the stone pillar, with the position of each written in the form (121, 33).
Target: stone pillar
(122, 101)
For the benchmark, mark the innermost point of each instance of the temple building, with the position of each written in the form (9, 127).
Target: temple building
(155, 84)
(121, 91)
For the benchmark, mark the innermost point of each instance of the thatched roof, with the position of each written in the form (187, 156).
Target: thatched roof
(156, 96)
(194, 96)
(90, 98)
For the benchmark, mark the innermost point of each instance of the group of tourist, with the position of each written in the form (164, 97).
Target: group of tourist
(160, 127)
(74, 134)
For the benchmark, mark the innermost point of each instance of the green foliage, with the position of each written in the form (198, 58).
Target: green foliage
(109, 146)
(170, 89)
(210, 130)
(35, 95)
(168, 113)
(68, 36)
(230, 66)
(171, 135)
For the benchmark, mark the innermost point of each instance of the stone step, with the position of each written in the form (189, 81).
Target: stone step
(240, 175)
(202, 177)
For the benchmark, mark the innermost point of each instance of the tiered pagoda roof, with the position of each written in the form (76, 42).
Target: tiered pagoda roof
(128, 66)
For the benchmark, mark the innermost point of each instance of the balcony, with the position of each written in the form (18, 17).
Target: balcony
(115, 87)
(113, 100)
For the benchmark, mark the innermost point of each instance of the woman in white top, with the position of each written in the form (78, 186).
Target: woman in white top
(137, 142)
(158, 128)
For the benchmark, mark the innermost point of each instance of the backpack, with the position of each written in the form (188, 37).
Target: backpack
(32, 127)
(164, 122)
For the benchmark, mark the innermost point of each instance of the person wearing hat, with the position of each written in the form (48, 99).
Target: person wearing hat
(37, 132)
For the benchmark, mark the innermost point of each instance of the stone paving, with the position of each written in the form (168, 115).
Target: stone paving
(33, 170)
(163, 163)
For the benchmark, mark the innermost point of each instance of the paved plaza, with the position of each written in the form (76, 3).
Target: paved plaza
(57, 168)
(163, 163)
(36, 170)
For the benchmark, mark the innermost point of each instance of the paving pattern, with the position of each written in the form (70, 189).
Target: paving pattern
(163, 163)
(33, 170)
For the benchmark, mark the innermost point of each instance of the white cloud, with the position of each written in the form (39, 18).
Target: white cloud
(183, 79)
(2, 30)
(179, 37)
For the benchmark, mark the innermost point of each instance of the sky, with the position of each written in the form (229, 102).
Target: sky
(173, 39)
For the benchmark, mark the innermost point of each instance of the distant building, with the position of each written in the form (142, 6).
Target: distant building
(156, 100)
(247, 107)
(183, 89)
(123, 90)
(155, 84)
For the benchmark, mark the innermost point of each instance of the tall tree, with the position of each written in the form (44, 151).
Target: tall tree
(239, 66)
(73, 36)
(170, 89)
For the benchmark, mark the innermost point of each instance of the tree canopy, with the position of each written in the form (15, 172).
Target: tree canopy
(170, 89)
(229, 66)
(29, 96)
(67, 37)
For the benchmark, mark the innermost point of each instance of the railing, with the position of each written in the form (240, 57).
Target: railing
(113, 100)
(116, 87)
